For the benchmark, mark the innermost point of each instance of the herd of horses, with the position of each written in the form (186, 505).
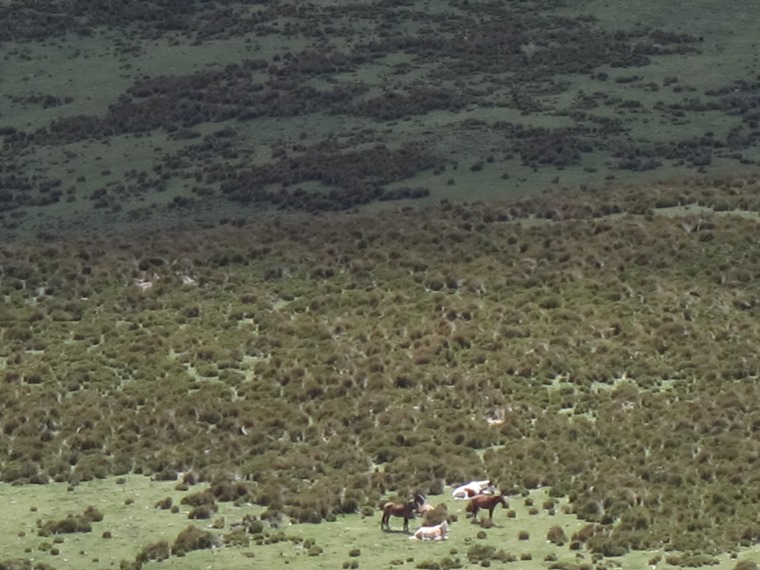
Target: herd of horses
(481, 495)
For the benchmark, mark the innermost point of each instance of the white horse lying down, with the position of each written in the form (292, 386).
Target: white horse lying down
(437, 532)
(473, 489)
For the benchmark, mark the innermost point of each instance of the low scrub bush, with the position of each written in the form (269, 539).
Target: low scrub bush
(237, 537)
(480, 552)
(193, 538)
(692, 560)
(556, 535)
(72, 523)
(157, 551)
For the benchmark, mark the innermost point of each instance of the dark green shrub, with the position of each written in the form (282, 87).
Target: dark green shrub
(590, 510)
(205, 497)
(349, 505)
(606, 546)
(314, 550)
(586, 532)
(635, 518)
(229, 491)
(202, 512)
(166, 475)
(157, 551)
(556, 535)
(308, 515)
(193, 538)
(504, 556)
(164, 504)
(237, 538)
(72, 523)
(439, 514)
(480, 552)
(692, 560)
(449, 563)
(92, 514)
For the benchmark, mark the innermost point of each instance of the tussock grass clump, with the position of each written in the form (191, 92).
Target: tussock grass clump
(156, 551)
(556, 535)
(237, 538)
(691, 560)
(480, 552)
(200, 499)
(164, 504)
(193, 538)
(71, 524)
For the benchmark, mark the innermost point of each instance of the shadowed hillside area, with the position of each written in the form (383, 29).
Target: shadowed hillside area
(145, 113)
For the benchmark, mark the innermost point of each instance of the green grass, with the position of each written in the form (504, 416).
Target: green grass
(134, 522)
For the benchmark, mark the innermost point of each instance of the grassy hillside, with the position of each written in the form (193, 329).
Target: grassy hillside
(136, 527)
(159, 111)
(597, 345)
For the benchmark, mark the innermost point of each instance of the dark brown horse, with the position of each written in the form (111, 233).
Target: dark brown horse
(406, 510)
(486, 502)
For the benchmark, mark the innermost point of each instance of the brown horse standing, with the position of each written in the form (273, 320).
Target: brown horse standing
(486, 502)
(406, 510)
